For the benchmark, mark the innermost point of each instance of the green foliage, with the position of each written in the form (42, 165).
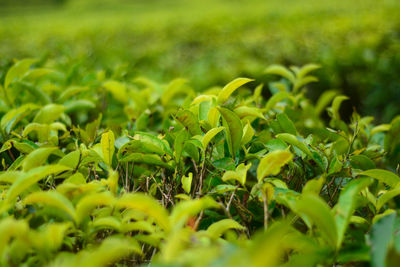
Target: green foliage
(155, 172)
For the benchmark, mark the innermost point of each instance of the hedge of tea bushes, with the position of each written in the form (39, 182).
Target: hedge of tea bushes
(126, 172)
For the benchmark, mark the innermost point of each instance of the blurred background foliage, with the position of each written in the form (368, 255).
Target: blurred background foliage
(209, 42)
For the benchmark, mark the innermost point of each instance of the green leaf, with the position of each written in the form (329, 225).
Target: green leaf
(239, 174)
(107, 146)
(108, 222)
(381, 236)
(78, 105)
(179, 142)
(346, 205)
(150, 159)
(10, 176)
(187, 182)
(30, 178)
(324, 100)
(17, 71)
(148, 206)
(248, 133)
(175, 88)
(294, 141)
(189, 208)
(276, 144)
(71, 160)
(233, 128)
(154, 140)
(70, 92)
(314, 186)
(272, 163)
(286, 124)
(37, 157)
(383, 176)
(50, 237)
(111, 250)
(210, 135)
(11, 228)
(53, 199)
(189, 120)
(140, 146)
(216, 229)
(117, 90)
(313, 208)
(244, 111)
(36, 74)
(306, 69)
(361, 162)
(275, 99)
(91, 201)
(12, 117)
(385, 197)
(224, 94)
(49, 113)
(336, 105)
(380, 128)
(281, 71)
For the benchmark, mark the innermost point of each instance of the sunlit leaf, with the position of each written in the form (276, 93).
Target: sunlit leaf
(210, 135)
(383, 176)
(107, 146)
(281, 71)
(187, 182)
(272, 163)
(148, 206)
(216, 229)
(230, 88)
(239, 174)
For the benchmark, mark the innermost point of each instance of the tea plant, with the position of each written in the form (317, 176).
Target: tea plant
(106, 170)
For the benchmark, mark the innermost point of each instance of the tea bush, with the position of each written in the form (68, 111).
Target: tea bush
(109, 170)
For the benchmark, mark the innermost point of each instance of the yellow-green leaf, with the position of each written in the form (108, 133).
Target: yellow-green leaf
(383, 176)
(239, 174)
(187, 182)
(312, 208)
(230, 88)
(216, 229)
(49, 113)
(30, 178)
(90, 202)
(292, 140)
(185, 209)
(245, 111)
(248, 133)
(148, 206)
(383, 199)
(117, 90)
(18, 70)
(281, 71)
(53, 199)
(37, 157)
(107, 146)
(210, 135)
(272, 163)
(276, 98)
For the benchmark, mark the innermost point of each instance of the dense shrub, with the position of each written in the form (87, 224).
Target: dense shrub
(112, 170)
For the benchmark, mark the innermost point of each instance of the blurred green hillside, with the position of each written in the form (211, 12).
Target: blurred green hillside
(209, 42)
